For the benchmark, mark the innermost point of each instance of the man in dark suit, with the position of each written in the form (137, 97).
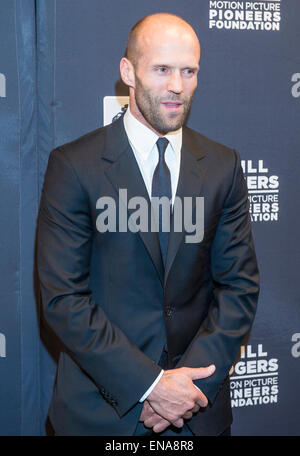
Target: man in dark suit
(150, 322)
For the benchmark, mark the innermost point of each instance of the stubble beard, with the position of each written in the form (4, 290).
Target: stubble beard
(149, 106)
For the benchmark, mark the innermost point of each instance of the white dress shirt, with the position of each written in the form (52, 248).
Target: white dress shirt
(143, 143)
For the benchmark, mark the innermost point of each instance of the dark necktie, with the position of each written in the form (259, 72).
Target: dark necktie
(161, 186)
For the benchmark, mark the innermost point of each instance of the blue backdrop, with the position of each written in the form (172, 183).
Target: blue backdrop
(59, 60)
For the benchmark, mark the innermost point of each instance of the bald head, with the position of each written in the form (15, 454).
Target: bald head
(160, 68)
(142, 33)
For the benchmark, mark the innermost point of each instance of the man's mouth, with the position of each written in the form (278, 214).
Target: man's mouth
(172, 105)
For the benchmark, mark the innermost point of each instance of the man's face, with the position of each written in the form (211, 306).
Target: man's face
(165, 80)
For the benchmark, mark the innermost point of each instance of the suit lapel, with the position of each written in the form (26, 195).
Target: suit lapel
(124, 173)
(189, 184)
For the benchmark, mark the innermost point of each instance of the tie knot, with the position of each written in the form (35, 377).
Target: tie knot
(162, 144)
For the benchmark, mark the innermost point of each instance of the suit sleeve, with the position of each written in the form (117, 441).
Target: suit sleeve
(235, 278)
(65, 234)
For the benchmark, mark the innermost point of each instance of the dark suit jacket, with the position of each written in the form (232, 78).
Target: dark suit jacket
(109, 300)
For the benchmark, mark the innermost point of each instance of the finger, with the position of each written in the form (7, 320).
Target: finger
(189, 413)
(201, 400)
(161, 426)
(147, 411)
(178, 423)
(196, 373)
(195, 409)
(148, 405)
(154, 420)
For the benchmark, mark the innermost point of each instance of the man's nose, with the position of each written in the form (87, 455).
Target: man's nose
(175, 83)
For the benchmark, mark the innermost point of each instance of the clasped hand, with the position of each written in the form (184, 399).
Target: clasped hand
(175, 398)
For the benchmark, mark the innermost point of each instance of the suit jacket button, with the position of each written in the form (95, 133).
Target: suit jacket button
(169, 312)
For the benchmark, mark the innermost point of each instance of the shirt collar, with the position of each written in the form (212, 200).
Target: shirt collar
(143, 139)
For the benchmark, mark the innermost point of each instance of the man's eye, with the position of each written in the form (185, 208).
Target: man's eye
(162, 69)
(188, 72)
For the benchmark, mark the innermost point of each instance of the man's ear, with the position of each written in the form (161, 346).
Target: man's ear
(127, 72)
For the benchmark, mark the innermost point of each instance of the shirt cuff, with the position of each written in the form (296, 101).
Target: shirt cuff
(151, 387)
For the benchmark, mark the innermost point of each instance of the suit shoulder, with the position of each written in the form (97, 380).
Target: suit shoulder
(208, 145)
(222, 160)
(83, 147)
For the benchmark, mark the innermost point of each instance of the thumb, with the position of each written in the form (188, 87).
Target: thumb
(201, 372)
